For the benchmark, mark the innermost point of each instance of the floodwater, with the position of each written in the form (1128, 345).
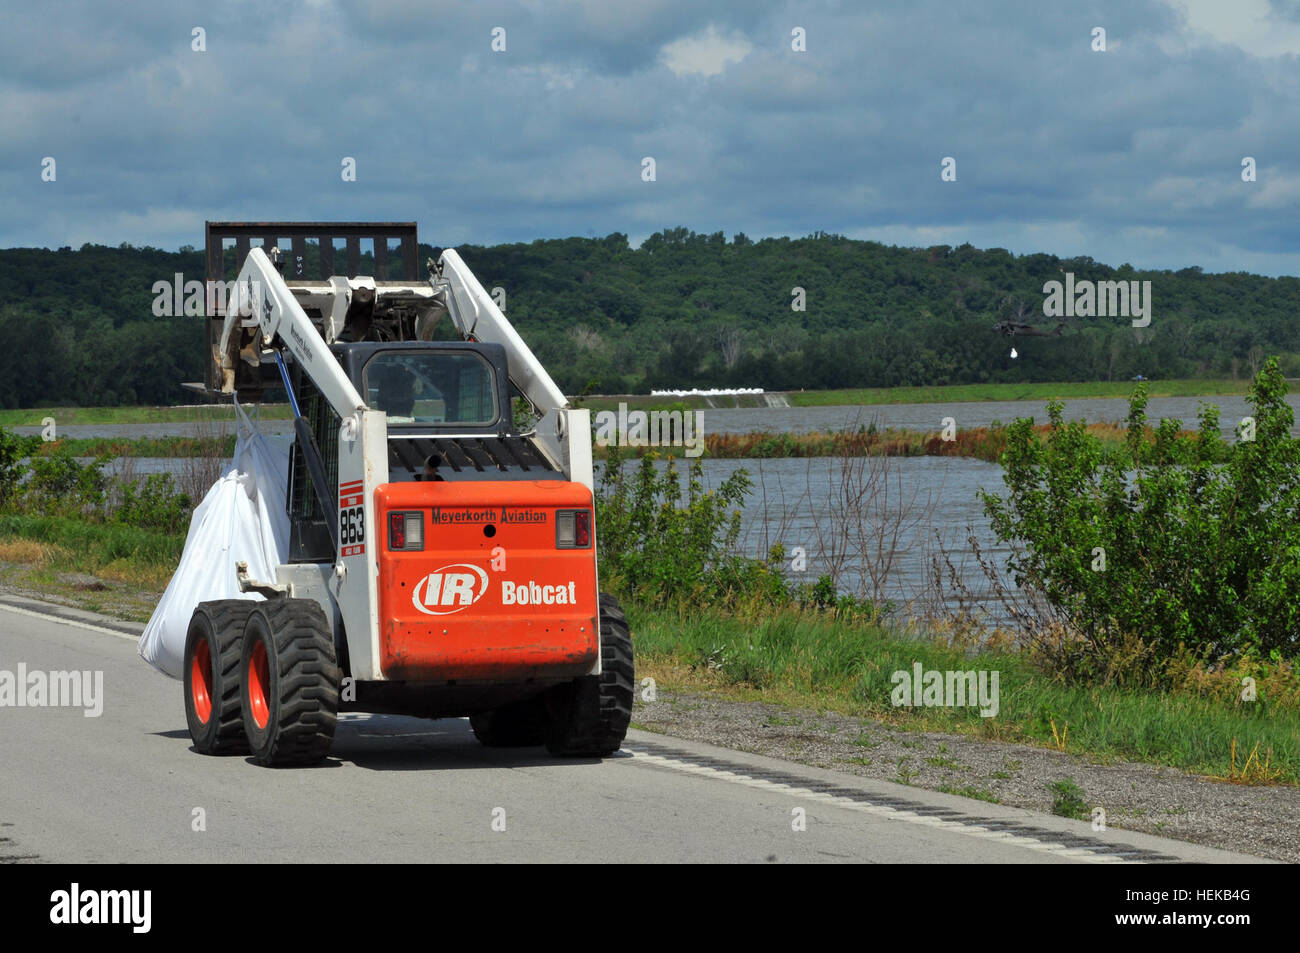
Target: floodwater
(729, 420)
(930, 417)
(877, 526)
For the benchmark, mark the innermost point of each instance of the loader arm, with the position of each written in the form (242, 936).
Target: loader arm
(478, 318)
(564, 432)
(263, 300)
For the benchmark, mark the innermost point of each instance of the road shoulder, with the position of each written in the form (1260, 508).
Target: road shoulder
(1263, 821)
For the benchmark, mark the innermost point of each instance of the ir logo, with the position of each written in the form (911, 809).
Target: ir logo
(449, 589)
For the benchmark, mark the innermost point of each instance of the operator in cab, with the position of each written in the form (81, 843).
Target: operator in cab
(431, 468)
(396, 396)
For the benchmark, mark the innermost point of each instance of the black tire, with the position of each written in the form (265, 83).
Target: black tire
(211, 676)
(589, 717)
(517, 725)
(290, 697)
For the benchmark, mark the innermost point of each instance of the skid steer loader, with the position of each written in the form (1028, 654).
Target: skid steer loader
(442, 560)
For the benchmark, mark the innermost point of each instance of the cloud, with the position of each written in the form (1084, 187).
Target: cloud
(1259, 27)
(705, 54)
(1129, 155)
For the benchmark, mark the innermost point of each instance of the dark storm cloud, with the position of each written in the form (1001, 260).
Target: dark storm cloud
(1133, 154)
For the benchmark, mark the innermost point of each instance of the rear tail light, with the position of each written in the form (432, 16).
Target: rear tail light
(573, 529)
(406, 531)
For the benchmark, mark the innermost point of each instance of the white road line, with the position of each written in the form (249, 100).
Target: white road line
(48, 617)
(882, 810)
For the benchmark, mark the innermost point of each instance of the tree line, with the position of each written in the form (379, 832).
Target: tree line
(686, 309)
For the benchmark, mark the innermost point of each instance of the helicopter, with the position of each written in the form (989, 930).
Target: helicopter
(1012, 328)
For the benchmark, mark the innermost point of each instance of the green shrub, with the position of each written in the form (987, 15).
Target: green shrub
(155, 503)
(13, 449)
(60, 485)
(1192, 543)
(662, 547)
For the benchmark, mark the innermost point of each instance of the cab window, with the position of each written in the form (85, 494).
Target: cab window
(432, 387)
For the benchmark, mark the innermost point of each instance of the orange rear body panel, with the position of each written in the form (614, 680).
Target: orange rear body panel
(490, 597)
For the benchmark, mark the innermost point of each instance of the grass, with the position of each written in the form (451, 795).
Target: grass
(80, 416)
(1184, 387)
(1254, 770)
(906, 773)
(949, 763)
(808, 662)
(1067, 799)
(172, 447)
(980, 443)
(50, 545)
(979, 794)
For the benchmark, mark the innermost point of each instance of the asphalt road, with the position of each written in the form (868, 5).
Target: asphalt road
(127, 787)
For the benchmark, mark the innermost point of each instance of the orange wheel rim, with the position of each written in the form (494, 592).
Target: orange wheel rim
(258, 682)
(201, 681)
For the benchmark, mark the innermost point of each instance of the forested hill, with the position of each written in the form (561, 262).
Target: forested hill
(684, 310)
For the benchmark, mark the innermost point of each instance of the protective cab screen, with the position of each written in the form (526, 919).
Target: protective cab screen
(431, 387)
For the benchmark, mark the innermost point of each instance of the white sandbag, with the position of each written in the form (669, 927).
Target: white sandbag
(266, 459)
(242, 519)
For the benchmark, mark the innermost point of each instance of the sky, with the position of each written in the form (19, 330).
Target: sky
(491, 122)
